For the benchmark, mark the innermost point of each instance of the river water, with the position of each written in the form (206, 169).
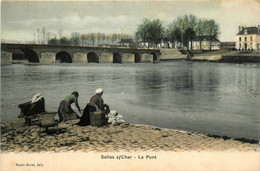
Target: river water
(214, 98)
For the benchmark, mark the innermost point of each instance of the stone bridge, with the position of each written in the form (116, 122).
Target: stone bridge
(80, 54)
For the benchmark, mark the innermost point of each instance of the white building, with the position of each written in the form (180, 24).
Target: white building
(207, 42)
(248, 38)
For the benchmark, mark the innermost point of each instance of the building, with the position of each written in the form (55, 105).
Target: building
(126, 42)
(248, 38)
(207, 42)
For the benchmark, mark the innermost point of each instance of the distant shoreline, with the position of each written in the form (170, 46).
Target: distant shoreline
(220, 56)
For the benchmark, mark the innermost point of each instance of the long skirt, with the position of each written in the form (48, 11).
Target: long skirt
(64, 108)
(85, 118)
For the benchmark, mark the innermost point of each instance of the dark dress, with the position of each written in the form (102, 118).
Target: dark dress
(95, 103)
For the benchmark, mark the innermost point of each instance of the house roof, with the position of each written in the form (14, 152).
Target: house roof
(126, 41)
(250, 30)
(206, 38)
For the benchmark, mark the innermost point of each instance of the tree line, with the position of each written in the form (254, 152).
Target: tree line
(77, 39)
(182, 30)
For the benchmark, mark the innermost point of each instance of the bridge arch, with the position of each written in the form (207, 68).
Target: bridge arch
(63, 57)
(137, 58)
(155, 57)
(31, 55)
(92, 57)
(117, 58)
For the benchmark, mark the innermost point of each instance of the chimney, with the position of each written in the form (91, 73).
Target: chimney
(239, 28)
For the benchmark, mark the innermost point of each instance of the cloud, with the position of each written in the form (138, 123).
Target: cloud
(122, 17)
(71, 23)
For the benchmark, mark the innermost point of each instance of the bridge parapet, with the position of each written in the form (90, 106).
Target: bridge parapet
(51, 54)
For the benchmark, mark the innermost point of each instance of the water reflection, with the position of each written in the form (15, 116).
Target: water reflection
(181, 88)
(248, 79)
(221, 99)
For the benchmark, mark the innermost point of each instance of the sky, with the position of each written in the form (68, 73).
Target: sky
(20, 19)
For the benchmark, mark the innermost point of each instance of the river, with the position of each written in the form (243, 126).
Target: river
(214, 98)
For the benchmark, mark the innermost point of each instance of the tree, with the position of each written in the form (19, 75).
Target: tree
(103, 37)
(200, 29)
(189, 35)
(150, 31)
(83, 39)
(92, 38)
(114, 38)
(60, 33)
(108, 38)
(48, 35)
(212, 29)
(188, 26)
(142, 30)
(173, 33)
(65, 41)
(43, 35)
(53, 41)
(38, 33)
(98, 38)
(184, 27)
(75, 38)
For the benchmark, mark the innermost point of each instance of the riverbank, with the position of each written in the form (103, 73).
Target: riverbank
(223, 55)
(227, 56)
(16, 137)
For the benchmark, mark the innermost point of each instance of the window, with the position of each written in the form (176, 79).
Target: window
(239, 45)
(251, 39)
(245, 39)
(240, 39)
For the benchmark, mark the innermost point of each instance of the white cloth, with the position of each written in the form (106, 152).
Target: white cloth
(57, 117)
(36, 98)
(114, 118)
(99, 90)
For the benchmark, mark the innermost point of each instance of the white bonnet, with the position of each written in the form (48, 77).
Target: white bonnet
(36, 98)
(99, 90)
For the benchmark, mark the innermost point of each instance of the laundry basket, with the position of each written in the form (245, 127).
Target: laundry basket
(48, 120)
(98, 119)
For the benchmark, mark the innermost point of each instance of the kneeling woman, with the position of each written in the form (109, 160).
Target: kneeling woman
(96, 103)
(65, 105)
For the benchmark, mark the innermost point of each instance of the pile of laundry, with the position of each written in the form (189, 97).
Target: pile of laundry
(114, 118)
